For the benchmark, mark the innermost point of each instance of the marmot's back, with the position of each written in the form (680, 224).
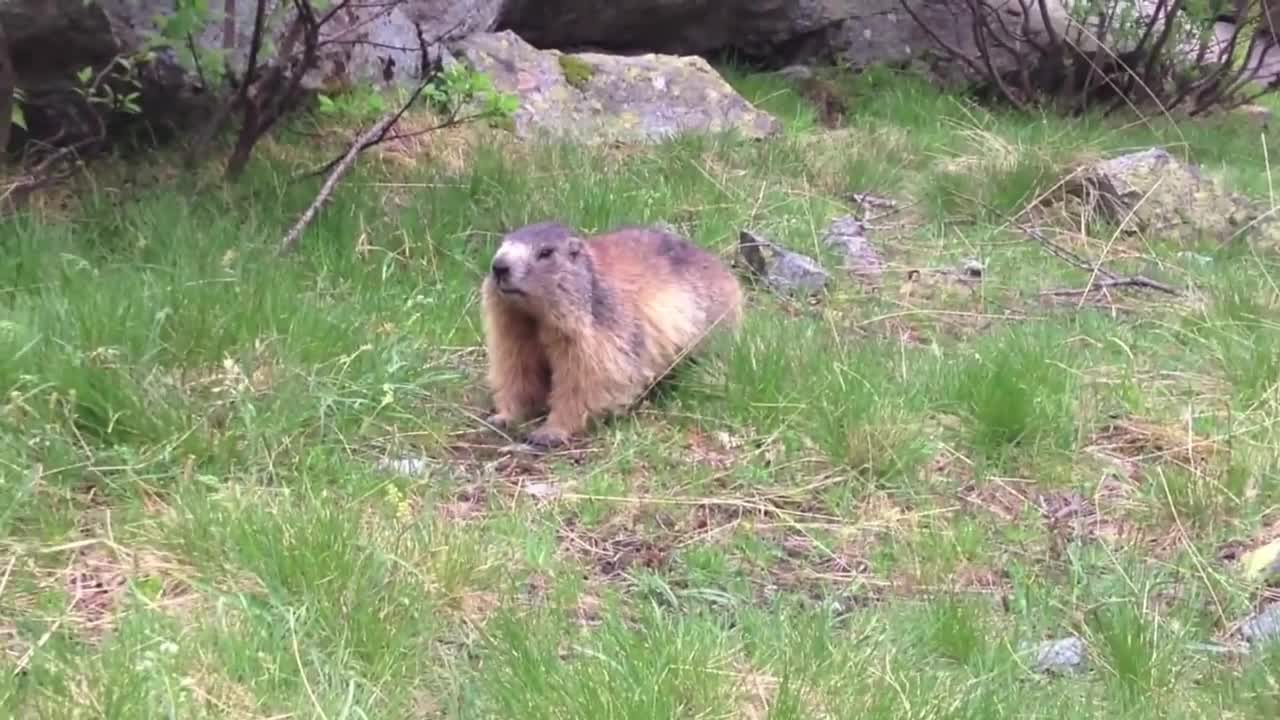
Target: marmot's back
(680, 291)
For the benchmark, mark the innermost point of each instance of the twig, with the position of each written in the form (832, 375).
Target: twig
(382, 137)
(1067, 255)
(1100, 277)
(1138, 281)
(290, 241)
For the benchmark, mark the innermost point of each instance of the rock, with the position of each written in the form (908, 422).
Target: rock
(1262, 562)
(382, 43)
(1262, 626)
(51, 40)
(972, 269)
(1159, 196)
(541, 490)
(796, 73)
(848, 236)
(1061, 656)
(405, 466)
(1257, 115)
(592, 97)
(858, 33)
(783, 270)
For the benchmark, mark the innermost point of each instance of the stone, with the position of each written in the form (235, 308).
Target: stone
(1256, 115)
(851, 32)
(51, 40)
(413, 466)
(1262, 626)
(1263, 562)
(1060, 657)
(1157, 195)
(593, 97)
(848, 236)
(783, 270)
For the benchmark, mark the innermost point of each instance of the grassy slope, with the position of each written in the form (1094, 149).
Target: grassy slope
(864, 509)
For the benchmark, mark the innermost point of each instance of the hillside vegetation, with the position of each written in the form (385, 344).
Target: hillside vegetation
(240, 486)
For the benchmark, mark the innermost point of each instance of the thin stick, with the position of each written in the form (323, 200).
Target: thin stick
(290, 242)
(1138, 281)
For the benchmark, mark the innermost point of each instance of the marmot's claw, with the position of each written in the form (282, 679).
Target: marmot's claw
(499, 421)
(545, 439)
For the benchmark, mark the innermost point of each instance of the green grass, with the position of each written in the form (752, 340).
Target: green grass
(839, 515)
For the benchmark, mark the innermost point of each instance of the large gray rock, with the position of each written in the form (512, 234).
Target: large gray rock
(859, 32)
(594, 97)
(51, 40)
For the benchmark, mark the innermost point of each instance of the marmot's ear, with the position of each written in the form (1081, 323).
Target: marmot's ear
(574, 246)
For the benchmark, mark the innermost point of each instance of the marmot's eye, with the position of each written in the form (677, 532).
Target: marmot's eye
(544, 253)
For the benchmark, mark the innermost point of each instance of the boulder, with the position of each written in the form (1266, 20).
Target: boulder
(854, 32)
(1158, 195)
(51, 40)
(594, 97)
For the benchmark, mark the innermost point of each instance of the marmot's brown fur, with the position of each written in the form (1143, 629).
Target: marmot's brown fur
(580, 327)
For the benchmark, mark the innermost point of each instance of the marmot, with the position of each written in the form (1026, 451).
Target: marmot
(579, 327)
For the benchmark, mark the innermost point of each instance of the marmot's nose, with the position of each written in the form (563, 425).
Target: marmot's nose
(501, 270)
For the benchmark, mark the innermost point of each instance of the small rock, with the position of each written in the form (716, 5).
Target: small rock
(1262, 626)
(1214, 648)
(849, 236)
(405, 466)
(783, 270)
(869, 201)
(1262, 562)
(972, 269)
(1154, 193)
(541, 490)
(795, 73)
(1258, 115)
(1061, 656)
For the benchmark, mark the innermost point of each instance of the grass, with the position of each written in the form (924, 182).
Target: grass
(872, 505)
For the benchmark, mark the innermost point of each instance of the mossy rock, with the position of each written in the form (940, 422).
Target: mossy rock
(577, 72)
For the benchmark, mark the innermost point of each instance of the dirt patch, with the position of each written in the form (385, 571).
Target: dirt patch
(617, 547)
(1233, 550)
(755, 693)
(978, 578)
(1066, 513)
(716, 450)
(1136, 442)
(487, 454)
(94, 581)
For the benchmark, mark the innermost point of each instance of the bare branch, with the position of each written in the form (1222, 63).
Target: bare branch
(290, 241)
(1135, 281)
(8, 90)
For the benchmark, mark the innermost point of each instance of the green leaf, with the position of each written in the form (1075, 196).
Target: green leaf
(85, 74)
(17, 117)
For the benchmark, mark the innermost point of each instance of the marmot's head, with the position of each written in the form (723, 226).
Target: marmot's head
(542, 268)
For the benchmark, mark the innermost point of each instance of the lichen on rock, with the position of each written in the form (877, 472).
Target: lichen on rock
(642, 98)
(577, 72)
(1153, 193)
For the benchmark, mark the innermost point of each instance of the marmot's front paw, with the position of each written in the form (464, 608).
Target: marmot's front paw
(546, 438)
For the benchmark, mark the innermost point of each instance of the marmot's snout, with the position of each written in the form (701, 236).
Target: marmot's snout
(501, 270)
(509, 268)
